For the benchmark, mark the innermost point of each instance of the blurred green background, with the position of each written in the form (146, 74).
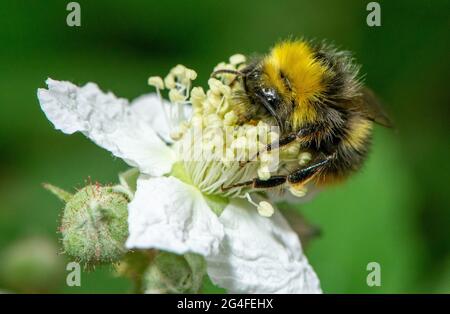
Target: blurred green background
(394, 212)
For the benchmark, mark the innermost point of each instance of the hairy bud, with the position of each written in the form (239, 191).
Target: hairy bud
(94, 225)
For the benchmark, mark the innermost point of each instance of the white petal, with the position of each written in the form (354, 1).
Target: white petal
(109, 122)
(260, 255)
(170, 215)
(156, 114)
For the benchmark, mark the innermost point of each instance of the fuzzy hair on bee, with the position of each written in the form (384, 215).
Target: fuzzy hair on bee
(313, 92)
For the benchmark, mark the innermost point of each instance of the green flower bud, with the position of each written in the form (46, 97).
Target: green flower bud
(170, 273)
(94, 225)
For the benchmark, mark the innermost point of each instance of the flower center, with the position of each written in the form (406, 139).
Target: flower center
(216, 151)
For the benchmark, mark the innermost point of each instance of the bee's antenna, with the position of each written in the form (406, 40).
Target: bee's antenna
(238, 73)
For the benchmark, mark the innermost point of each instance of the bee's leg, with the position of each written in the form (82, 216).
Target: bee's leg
(303, 175)
(296, 136)
(298, 176)
(256, 183)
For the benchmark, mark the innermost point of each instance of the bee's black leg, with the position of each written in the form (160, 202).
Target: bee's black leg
(256, 183)
(303, 175)
(298, 176)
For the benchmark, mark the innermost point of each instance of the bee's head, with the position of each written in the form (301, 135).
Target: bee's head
(262, 94)
(286, 84)
(262, 97)
(293, 82)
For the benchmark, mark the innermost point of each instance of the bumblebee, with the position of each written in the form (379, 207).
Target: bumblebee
(313, 93)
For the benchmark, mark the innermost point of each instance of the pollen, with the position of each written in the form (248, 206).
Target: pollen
(156, 81)
(298, 191)
(237, 59)
(265, 209)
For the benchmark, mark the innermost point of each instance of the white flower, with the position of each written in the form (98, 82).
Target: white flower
(177, 206)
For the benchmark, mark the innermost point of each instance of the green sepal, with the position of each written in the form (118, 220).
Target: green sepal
(63, 195)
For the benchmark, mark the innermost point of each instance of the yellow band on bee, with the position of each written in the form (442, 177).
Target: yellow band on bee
(295, 60)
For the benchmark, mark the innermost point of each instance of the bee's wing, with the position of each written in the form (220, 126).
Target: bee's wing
(371, 106)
